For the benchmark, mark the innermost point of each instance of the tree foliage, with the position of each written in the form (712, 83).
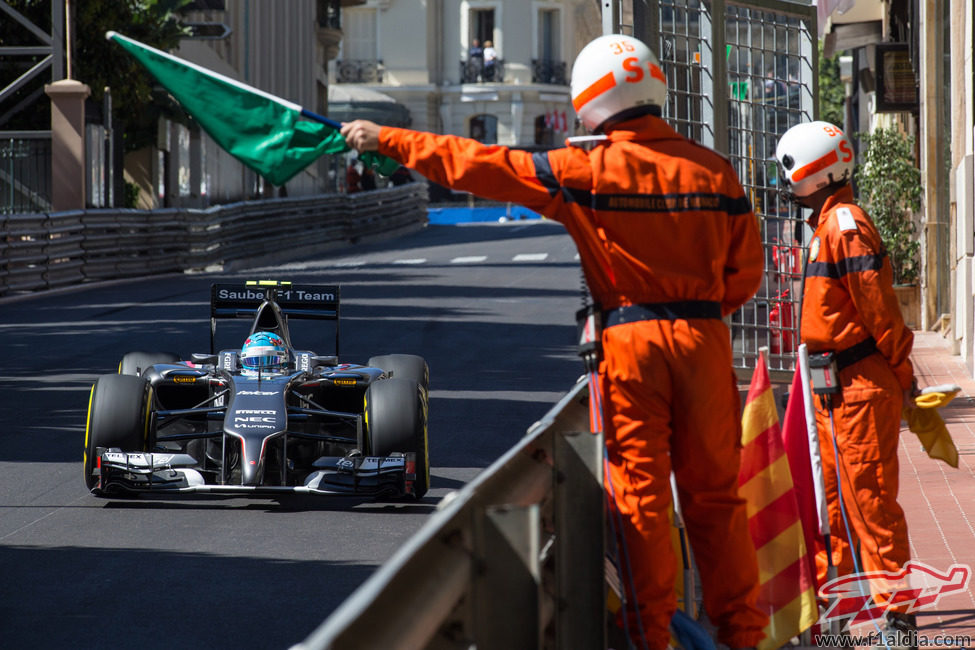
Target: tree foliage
(889, 186)
(832, 95)
(98, 62)
(134, 100)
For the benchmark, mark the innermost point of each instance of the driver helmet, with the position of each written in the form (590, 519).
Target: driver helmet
(811, 156)
(612, 74)
(263, 352)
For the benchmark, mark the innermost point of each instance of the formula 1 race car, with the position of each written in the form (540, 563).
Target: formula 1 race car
(264, 419)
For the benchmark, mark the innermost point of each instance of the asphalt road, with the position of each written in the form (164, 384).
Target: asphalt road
(489, 306)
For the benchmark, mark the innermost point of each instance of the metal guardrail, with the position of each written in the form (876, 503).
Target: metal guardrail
(52, 250)
(515, 559)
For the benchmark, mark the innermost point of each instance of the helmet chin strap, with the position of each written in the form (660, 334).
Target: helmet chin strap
(785, 193)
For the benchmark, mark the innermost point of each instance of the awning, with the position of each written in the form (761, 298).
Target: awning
(836, 12)
(349, 102)
(850, 36)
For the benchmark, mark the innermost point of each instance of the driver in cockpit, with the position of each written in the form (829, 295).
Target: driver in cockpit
(263, 353)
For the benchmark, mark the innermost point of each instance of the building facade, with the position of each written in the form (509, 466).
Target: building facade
(428, 57)
(929, 47)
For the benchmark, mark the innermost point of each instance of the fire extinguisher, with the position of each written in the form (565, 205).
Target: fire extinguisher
(781, 319)
(775, 331)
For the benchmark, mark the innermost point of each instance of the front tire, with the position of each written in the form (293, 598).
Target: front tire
(119, 409)
(404, 366)
(396, 421)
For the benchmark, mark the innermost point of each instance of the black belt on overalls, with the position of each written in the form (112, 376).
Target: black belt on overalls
(662, 311)
(854, 353)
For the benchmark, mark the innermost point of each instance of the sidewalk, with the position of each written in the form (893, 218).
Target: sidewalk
(938, 500)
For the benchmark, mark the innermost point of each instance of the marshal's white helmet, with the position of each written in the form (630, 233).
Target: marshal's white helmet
(812, 156)
(612, 74)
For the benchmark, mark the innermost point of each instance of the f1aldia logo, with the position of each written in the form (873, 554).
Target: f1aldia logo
(865, 597)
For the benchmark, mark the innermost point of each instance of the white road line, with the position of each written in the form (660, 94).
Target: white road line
(471, 259)
(529, 257)
(418, 260)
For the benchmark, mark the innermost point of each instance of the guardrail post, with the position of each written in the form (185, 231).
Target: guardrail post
(579, 502)
(507, 587)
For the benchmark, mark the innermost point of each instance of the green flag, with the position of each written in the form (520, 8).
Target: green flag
(264, 132)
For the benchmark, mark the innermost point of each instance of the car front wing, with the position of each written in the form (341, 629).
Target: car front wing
(351, 475)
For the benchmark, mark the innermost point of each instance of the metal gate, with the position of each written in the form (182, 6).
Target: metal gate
(739, 75)
(25, 156)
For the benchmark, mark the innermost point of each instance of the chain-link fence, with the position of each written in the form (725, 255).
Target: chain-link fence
(739, 75)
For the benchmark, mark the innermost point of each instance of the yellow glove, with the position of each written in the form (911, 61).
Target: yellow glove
(926, 422)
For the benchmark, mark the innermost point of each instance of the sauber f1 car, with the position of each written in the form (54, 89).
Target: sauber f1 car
(264, 419)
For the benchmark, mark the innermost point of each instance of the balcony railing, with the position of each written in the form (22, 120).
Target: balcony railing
(472, 72)
(329, 14)
(357, 71)
(545, 71)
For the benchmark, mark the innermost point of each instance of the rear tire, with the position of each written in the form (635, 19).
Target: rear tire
(119, 409)
(404, 366)
(135, 363)
(396, 421)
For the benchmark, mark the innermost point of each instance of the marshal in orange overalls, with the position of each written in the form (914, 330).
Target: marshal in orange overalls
(849, 303)
(669, 245)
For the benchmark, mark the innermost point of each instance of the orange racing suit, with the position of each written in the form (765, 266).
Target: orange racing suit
(669, 244)
(849, 307)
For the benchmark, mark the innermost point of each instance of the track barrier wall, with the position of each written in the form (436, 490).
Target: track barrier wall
(53, 250)
(515, 559)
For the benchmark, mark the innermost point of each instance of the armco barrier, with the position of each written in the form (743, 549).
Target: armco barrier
(515, 559)
(47, 251)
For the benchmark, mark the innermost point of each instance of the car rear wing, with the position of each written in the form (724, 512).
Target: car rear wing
(287, 300)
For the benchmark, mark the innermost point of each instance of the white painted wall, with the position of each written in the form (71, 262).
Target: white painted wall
(963, 181)
(404, 45)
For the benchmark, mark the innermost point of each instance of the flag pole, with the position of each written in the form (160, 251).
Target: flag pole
(816, 462)
(321, 118)
(815, 457)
